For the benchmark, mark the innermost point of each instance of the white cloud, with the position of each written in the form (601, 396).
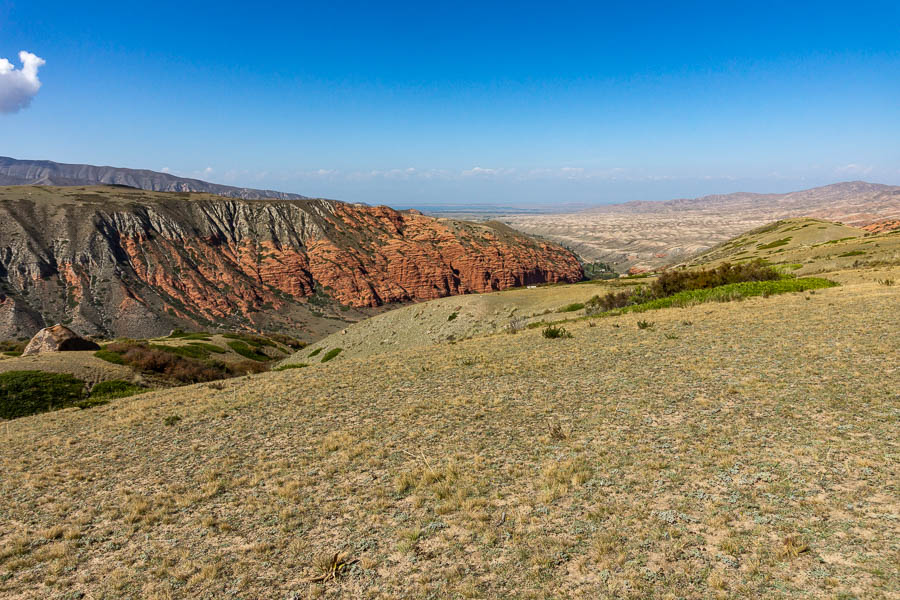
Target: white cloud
(854, 169)
(164, 170)
(479, 171)
(19, 86)
(482, 172)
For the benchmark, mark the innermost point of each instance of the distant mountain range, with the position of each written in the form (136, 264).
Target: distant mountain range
(643, 235)
(46, 172)
(851, 202)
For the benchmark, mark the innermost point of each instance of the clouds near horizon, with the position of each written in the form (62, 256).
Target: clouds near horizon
(19, 86)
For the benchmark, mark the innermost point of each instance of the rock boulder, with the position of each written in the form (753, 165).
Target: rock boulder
(58, 338)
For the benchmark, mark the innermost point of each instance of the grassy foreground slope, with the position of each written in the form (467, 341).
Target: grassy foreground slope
(449, 320)
(730, 450)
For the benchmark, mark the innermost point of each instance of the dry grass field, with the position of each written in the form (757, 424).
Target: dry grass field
(83, 365)
(728, 450)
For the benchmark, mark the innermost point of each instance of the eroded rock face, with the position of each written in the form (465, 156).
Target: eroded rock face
(882, 226)
(58, 338)
(128, 262)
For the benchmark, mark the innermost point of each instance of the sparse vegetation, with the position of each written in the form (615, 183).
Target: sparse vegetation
(286, 340)
(599, 270)
(13, 347)
(775, 244)
(25, 393)
(291, 366)
(575, 306)
(174, 366)
(331, 354)
(516, 324)
(182, 335)
(249, 339)
(553, 332)
(247, 351)
(452, 316)
(698, 458)
(209, 348)
(314, 352)
(110, 356)
(676, 281)
(115, 388)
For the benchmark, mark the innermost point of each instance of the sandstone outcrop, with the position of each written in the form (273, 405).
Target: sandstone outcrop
(116, 261)
(882, 226)
(57, 338)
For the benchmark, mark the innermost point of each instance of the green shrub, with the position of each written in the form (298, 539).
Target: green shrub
(452, 316)
(775, 244)
(554, 332)
(331, 354)
(645, 324)
(851, 253)
(13, 347)
(115, 388)
(110, 356)
(200, 335)
(253, 340)
(91, 402)
(314, 352)
(677, 281)
(246, 351)
(171, 420)
(734, 291)
(29, 392)
(214, 348)
(571, 307)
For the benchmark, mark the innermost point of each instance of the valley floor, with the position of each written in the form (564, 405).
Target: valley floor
(737, 450)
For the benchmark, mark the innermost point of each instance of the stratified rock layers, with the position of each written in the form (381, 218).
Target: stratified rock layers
(128, 262)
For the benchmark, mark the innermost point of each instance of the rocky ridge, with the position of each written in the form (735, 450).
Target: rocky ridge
(46, 172)
(117, 261)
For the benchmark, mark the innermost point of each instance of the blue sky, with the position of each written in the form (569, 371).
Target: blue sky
(412, 104)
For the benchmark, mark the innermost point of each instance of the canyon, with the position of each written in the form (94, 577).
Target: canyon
(116, 261)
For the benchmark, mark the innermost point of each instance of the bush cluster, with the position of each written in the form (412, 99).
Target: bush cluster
(553, 332)
(247, 351)
(29, 392)
(331, 354)
(13, 347)
(673, 282)
(162, 361)
(287, 340)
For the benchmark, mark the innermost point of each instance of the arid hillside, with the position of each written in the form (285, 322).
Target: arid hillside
(115, 261)
(691, 456)
(798, 247)
(643, 235)
(806, 246)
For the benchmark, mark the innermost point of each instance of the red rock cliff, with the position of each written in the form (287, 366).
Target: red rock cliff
(129, 262)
